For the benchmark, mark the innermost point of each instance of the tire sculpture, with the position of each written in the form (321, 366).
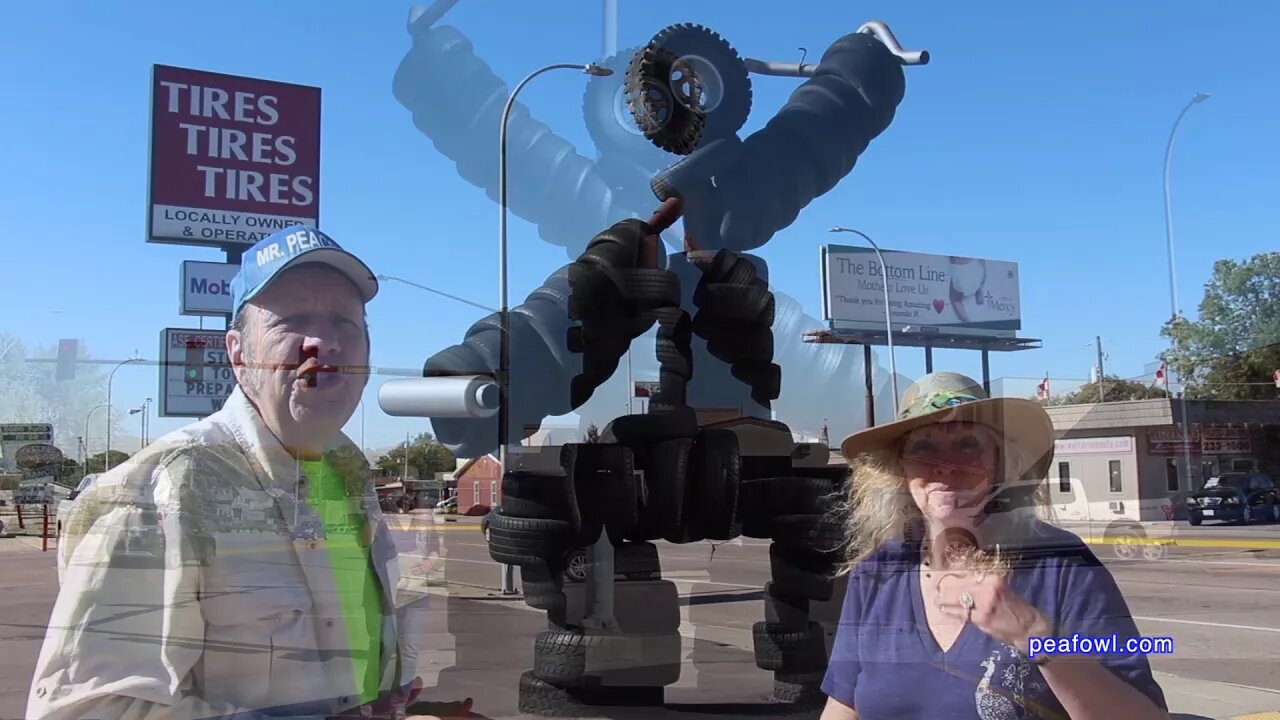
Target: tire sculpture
(658, 476)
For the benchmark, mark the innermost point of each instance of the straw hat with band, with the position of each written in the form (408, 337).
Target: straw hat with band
(942, 397)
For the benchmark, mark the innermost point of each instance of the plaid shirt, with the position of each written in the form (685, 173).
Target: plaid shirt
(195, 584)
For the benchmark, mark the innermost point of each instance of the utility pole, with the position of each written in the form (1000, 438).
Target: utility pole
(1102, 377)
(406, 458)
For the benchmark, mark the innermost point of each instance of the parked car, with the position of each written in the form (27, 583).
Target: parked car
(448, 505)
(1236, 496)
(631, 561)
(1131, 528)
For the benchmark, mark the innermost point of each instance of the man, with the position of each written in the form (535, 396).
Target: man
(240, 567)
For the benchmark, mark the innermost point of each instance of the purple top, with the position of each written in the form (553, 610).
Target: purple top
(885, 662)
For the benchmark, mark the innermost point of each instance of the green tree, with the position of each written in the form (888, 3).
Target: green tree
(97, 462)
(426, 458)
(1232, 350)
(1116, 389)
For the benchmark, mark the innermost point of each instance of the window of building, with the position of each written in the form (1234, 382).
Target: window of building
(493, 493)
(1171, 475)
(475, 491)
(1117, 483)
(1064, 477)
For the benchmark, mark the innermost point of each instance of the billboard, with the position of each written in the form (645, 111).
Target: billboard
(941, 294)
(233, 159)
(195, 373)
(206, 288)
(15, 436)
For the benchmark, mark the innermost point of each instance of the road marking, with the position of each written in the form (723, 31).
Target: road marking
(1239, 543)
(1220, 562)
(1208, 624)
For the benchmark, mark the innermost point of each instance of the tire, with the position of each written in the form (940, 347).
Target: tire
(527, 494)
(810, 533)
(666, 489)
(674, 359)
(789, 650)
(718, 64)
(640, 431)
(804, 689)
(765, 379)
(783, 608)
(663, 119)
(604, 108)
(650, 288)
(543, 589)
(799, 495)
(594, 496)
(746, 345)
(1122, 541)
(523, 541)
(1195, 520)
(637, 561)
(730, 307)
(574, 659)
(753, 509)
(575, 565)
(716, 475)
(540, 698)
(674, 323)
(801, 575)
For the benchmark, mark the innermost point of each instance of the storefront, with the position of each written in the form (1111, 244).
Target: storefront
(1134, 456)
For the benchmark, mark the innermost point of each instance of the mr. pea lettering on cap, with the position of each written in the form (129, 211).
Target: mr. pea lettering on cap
(288, 248)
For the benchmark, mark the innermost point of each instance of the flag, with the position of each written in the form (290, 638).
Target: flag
(1042, 390)
(1162, 377)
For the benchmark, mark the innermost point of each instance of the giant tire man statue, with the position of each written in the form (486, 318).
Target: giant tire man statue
(659, 476)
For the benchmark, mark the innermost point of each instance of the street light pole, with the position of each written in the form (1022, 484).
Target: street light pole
(504, 352)
(106, 458)
(87, 416)
(1174, 310)
(888, 320)
(504, 341)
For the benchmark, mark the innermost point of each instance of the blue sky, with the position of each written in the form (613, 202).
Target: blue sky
(1036, 135)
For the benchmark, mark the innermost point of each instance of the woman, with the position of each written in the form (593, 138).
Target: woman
(951, 573)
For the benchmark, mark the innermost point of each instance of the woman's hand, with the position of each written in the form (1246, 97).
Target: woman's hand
(996, 608)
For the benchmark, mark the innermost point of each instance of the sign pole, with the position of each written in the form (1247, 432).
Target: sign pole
(871, 393)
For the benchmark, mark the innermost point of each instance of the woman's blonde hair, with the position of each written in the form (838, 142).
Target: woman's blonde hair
(879, 508)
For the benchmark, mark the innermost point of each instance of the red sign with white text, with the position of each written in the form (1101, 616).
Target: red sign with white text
(233, 159)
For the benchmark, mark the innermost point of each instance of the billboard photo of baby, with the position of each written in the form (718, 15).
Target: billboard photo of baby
(968, 280)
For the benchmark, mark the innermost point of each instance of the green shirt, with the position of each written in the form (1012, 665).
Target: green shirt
(353, 575)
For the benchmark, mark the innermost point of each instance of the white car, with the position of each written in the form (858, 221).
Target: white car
(1115, 523)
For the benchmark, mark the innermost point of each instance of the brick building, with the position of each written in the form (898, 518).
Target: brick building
(479, 485)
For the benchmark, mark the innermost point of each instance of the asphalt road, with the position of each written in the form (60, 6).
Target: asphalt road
(1218, 597)
(1215, 601)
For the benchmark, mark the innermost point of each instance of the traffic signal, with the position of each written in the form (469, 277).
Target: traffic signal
(67, 359)
(193, 367)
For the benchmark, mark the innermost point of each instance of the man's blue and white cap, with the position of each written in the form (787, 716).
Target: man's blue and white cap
(288, 248)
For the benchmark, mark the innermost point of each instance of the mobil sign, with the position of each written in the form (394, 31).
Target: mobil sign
(206, 288)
